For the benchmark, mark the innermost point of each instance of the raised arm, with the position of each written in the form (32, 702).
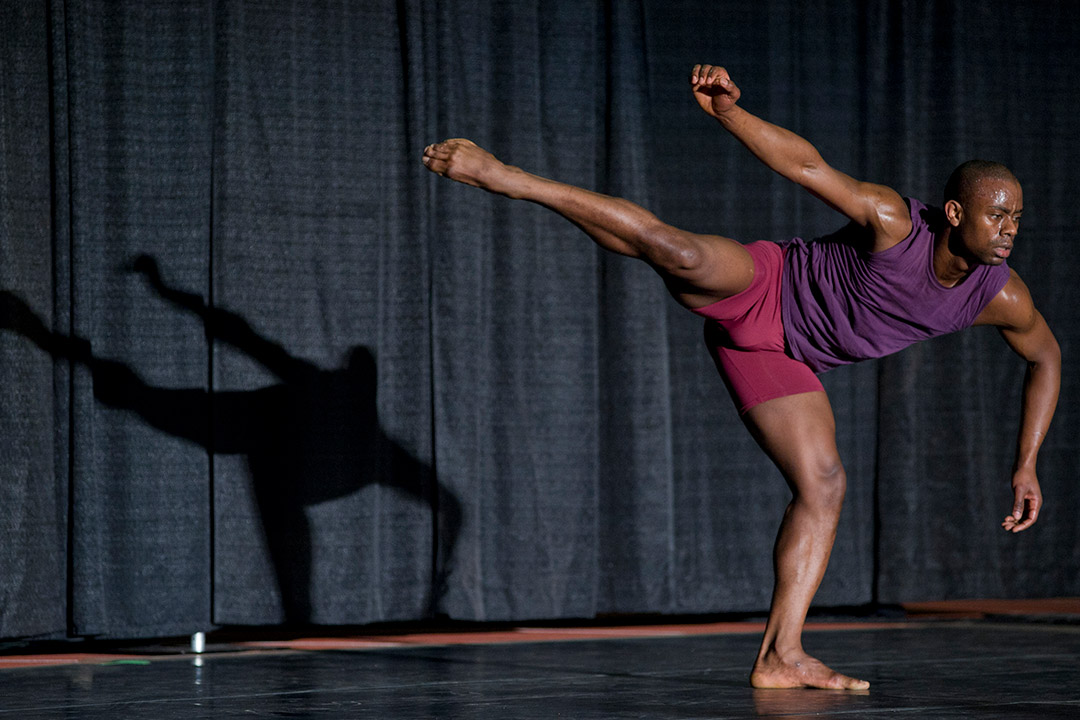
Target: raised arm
(1026, 332)
(876, 207)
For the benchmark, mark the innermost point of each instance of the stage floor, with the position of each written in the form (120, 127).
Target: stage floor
(943, 668)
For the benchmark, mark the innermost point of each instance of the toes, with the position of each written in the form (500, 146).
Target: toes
(431, 150)
(843, 682)
(436, 157)
(434, 165)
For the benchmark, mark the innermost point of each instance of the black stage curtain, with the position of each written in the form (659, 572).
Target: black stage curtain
(257, 366)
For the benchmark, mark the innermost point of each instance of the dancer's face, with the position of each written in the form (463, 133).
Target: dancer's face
(989, 219)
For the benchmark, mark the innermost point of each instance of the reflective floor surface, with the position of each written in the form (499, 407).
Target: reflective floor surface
(941, 669)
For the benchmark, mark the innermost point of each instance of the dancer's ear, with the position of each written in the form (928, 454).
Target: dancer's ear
(954, 212)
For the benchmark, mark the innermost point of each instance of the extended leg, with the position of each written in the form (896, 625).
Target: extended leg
(699, 269)
(798, 433)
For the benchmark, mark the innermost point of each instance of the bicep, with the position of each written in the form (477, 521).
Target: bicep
(1020, 324)
(1035, 342)
(872, 206)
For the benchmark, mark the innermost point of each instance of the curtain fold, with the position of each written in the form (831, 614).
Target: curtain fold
(33, 503)
(325, 490)
(515, 359)
(139, 161)
(258, 366)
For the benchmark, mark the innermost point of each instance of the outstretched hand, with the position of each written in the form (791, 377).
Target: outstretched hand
(714, 89)
(1027, 501)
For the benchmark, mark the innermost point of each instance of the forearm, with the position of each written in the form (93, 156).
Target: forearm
(781, 150)
(1041, 386)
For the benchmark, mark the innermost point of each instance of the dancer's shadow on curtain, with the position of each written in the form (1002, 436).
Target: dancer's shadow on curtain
(313, 437)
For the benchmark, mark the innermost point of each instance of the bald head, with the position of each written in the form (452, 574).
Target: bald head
(965, 180)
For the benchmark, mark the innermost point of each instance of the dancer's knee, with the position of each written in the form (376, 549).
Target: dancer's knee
(672, 250)
(822, 485)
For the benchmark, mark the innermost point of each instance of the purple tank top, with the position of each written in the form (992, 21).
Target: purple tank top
(841, 304)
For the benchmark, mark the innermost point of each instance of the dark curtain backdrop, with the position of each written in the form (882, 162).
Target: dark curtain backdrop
(258, 367)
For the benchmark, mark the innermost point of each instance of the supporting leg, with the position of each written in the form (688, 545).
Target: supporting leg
(699, 269)
(798, 433)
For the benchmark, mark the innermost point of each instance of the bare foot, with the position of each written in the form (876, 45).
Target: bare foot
(466, 162)
(797, 669)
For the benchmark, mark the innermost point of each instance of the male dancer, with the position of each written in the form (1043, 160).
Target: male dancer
(776, 315)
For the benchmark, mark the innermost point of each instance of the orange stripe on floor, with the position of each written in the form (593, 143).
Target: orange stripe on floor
(916, 611)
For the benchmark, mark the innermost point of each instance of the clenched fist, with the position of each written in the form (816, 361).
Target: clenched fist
(714, 89)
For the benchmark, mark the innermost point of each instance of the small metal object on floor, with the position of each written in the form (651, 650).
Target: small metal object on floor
(939, 669)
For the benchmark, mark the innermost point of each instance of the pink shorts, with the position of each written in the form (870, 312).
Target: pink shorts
(745, 336)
